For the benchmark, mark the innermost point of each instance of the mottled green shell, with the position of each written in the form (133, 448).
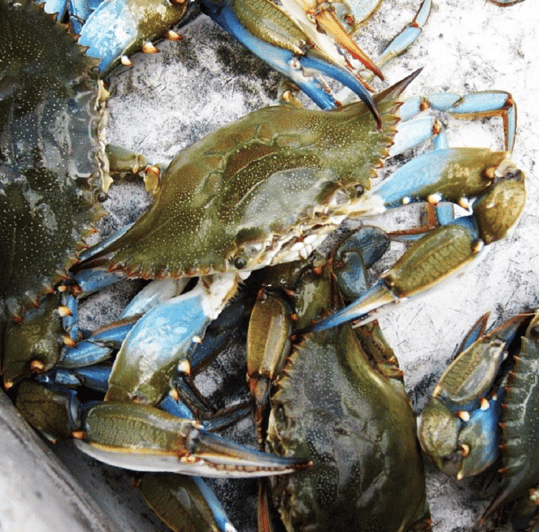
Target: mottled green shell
(252, 188)
(48, 146)
(520, 421)
(358, 431)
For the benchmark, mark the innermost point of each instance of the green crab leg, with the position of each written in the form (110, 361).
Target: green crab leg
(184, 503)
(449, 248)
(144, 438)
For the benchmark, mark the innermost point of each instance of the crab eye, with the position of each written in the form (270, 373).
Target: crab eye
(93, 72)
(240, 263)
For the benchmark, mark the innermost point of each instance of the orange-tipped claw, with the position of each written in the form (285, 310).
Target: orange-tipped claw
(327, 20)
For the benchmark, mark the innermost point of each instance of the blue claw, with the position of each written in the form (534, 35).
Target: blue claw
(118, 28)
(388, 290)
(287, 54)
(144, 438)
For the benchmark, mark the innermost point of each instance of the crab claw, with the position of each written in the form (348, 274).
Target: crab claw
(144, 438)
(319, 19)
(286, 47)
(435, 177)
(459, 428)
(118, 28)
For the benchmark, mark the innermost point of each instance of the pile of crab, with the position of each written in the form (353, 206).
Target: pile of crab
(236, 238)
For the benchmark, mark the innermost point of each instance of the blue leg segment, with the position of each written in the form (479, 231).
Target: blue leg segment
(407, 36)
(470, 106)
(292, 64)
(99, 346)
(93, 377)
(383, 294)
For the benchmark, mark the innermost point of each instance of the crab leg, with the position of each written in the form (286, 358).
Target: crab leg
(470, 106)
(414, 130)
(119, 27)
(57, 7)
(99, 346)
(144, 438)
(447, 249)
(285, 48)
(92, 377)
(181, 501)
(407, 36)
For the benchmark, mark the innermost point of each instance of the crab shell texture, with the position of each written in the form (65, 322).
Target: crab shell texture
(241, 197)
(519, 423)
(355, 425)
(49, 141)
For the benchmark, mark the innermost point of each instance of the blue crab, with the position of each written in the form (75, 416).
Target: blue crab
(483, 410)
(361, 437)
(345, 445)
(291, 246)
(302, 42)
